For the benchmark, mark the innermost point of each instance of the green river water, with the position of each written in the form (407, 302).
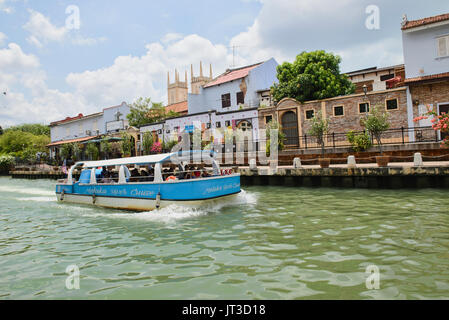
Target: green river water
(270, 243)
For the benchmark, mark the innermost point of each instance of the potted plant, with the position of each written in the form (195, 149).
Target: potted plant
(320, 127)
(376, 123)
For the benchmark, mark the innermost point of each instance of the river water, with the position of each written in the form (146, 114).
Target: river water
(270, 243)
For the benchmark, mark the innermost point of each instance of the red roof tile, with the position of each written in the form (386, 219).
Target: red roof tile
(180, 107)
(70, 141)
(231, 75)
(426, 78)
(425, 21)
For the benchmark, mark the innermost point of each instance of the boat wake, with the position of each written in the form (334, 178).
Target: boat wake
(175, 212)
(29, 191)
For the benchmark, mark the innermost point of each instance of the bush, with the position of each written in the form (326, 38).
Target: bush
(6, 164)
(359, 141)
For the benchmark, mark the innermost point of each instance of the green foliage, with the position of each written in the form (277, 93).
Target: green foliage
(169, 145)
(312, 76)
(126, 144)
(92, 151)
(76, 151)
(147, 142)
(65, 151)
(359, 141)
(105, 147)
(6, 163)
(24, 145)
(143, 112)
(376, 122)
(319, 128)
(35, 129)
(272, 125)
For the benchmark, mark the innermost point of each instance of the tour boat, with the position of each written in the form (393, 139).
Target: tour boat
(154, 181)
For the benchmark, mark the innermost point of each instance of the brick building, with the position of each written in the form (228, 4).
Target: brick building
(344, 114)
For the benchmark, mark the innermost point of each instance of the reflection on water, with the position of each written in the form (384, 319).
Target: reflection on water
(269, 243)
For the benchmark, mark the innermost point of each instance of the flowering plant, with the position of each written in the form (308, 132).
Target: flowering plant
(439, 122)
(157, 147)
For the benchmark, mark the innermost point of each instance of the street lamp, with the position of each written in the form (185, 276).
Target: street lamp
(365, 89)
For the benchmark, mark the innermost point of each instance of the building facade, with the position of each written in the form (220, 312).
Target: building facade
(229, 101)
(82, 129)
(426, 56)
(377, 79)
(235, 89)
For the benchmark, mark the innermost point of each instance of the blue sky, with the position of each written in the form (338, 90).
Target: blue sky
(124, 49)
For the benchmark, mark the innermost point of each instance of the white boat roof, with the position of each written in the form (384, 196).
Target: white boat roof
(157, 158)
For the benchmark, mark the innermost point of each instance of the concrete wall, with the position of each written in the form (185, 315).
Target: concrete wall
(420, 51)
(77, 129)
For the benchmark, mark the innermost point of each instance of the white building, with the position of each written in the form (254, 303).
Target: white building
(84, 128)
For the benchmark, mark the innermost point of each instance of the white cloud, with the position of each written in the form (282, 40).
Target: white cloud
(7, 10)
(285, 28)
(3, 37)
(42, 31)
(131, 77)
(30, 100)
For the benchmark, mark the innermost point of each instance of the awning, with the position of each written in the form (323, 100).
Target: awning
(59, 143)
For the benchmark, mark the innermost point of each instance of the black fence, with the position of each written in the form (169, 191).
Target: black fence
(392, 136)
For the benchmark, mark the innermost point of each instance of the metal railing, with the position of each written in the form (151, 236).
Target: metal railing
(394, 136)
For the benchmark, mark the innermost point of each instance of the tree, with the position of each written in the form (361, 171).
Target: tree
(76, 151)
(34, 128)
(273, 125)
(141, 113)
(320, 127)
(105, 147)
(147, 142)
(312, 76)
(92, 151)
(65, 151)
(376, 123)
(126, 144)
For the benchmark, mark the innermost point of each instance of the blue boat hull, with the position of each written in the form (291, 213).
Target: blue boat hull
(144, 196)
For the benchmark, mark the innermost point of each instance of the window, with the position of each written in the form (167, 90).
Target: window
(386, 77)
(392, 104)
(228, 123)
(339, 111)
(240, 98)
(310, 114)
(226, 100)
(443, 46)
(218, 124)
(176, 129)
(268, 119)
(364, 107)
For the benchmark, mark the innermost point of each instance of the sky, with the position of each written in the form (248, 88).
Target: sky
(60, 58)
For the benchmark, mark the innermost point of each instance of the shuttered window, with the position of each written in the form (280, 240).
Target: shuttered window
(443, 46)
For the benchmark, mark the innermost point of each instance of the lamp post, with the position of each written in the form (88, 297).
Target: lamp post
(365, 90)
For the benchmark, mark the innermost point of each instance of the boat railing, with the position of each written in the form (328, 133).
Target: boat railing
(178, 175)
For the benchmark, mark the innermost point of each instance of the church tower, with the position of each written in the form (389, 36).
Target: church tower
(177, 91)
(198, 82)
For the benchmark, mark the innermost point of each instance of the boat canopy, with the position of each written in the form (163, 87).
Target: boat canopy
(176, 157)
